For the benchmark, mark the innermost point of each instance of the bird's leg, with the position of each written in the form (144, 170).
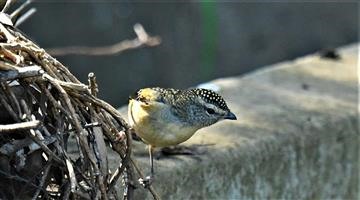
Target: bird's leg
(151, 152)
(146, 182)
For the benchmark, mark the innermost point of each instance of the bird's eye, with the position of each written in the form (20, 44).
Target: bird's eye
(210, 111)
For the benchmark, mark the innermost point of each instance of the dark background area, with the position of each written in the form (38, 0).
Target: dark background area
(201, 41)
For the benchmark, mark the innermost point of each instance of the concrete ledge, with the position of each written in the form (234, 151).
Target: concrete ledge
(297, 137)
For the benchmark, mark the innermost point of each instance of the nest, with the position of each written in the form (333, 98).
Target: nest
(44, 108)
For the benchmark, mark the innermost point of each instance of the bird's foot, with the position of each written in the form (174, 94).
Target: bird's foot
(147, 181)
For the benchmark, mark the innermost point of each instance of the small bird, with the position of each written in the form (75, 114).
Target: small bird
(163, 117)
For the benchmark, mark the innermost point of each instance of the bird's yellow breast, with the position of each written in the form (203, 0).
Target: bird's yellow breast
(156, 125)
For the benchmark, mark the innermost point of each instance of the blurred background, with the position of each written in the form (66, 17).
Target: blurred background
(201, 41)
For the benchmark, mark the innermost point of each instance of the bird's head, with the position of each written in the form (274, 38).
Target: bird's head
(205, 107)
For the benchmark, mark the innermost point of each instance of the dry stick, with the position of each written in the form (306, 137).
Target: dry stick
(142, 40)
(8, 107)
(37, 140)
(151, 189)
(124, 156)
(99, 179)
(7, 5)
(82, 195)
(117, 116)
(56, 71)
(128, 177)
(78, 87)
(83, 143)
(7, 34)
(63, 69)
(18, 178)
(17, 12)
(7, 66)
(13, 98)
(34, 53)
(18, 73)
(92, 84)
(100, 148)
(72, 177)
(26, 110)
(53, 100)
(39, 57)
(98, 133)
(19, 126)
(116, 176)
(112, 111)
(129, 190)
(43, 179)
(45, 148)
(25, 17)
(56, 105)
(66, 193)
(11, 56)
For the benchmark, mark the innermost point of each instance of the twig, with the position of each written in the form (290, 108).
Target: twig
(7, 34)
(25, 17)
(67, 85)
(82, 139)
(45, 148)
(24, 72)
(17, 11)
(19, 126)
(58, 100)
(150, 188)
(7, 5)
(72, 177)
(10, 55)
(143, 39)
(18, 178)
(13, 99)
(8, 107)
(92, 84)
(5, 66)
(43, 179)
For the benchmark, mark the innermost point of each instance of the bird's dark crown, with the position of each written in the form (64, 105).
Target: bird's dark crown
(212, 97)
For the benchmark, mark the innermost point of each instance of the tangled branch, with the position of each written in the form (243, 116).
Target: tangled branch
(44, 108)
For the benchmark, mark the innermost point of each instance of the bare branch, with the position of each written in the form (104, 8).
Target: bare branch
(23, 72)
(55, 105)
(25, 17)
(7, 5)
(19, 126)
(142, 40)
(17, 11)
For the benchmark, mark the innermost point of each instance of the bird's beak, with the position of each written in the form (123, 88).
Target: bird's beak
(230, 116)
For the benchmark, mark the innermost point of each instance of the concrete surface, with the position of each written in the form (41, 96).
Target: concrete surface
(296, 137)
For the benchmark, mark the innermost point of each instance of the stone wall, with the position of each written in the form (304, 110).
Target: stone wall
(296, 137)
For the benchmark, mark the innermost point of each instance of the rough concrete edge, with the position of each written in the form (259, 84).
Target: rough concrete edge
(281, 65)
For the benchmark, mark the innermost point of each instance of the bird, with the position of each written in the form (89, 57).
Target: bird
(164, 117)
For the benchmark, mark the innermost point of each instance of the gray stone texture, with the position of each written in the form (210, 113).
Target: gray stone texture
(296, 137)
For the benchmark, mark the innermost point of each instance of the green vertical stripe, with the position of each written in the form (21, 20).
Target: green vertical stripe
(209, 37)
